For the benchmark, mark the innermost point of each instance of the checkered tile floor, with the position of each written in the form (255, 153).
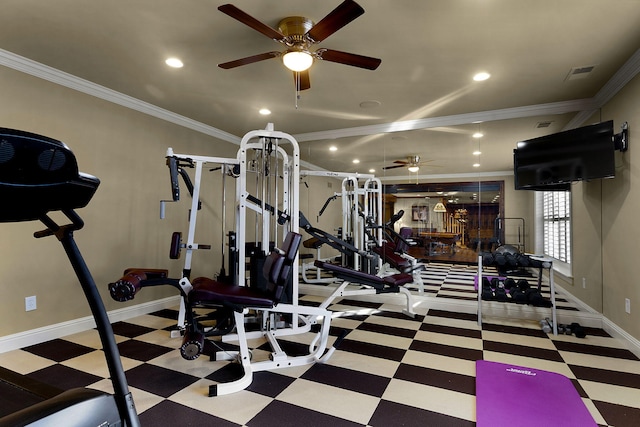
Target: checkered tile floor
(390, 370)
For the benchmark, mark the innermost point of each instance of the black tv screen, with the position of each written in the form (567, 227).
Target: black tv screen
(554, 161)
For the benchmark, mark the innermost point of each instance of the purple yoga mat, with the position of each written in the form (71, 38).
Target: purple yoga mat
(514, 396)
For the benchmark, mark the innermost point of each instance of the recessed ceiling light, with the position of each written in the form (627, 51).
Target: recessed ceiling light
(478, 135)
(480, 77)
(174, 63)
(333, 148)
(356, 161)
(476, 165)
(372, 170)
(370, 104)
(264, 111)
(477, 153)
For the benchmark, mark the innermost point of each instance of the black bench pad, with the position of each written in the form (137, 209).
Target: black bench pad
(208, 291)
(355, 276)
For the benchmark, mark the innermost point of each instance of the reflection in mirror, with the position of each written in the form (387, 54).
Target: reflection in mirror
(450, 221)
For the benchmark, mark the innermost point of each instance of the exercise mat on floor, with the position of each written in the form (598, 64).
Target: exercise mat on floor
(515, 396)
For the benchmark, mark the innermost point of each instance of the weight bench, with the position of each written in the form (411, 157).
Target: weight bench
(394, 254)
(204, 292)
(313, 243)
(373, 285)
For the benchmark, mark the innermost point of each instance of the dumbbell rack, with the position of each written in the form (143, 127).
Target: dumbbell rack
(546, 263)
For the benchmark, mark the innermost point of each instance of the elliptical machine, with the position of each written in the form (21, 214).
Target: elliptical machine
(39, 175)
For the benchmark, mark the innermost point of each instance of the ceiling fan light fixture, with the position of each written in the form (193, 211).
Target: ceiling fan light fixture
(297, 60)
(413, 168)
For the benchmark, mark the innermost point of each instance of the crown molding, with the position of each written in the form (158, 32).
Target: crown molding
(561, 107)
(36, 69)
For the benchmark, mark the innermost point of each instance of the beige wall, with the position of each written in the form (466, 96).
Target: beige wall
(126, 150)
(606, 229)
(620, 223)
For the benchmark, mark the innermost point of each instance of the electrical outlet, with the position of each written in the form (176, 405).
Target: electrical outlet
(30, 303)
(627, 305)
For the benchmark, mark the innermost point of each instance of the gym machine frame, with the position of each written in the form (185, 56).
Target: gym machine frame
(354, 222)
(285, 214)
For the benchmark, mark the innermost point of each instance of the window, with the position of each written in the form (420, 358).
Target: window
(556, 224)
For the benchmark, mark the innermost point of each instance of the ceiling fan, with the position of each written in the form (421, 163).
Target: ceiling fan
(412, 163)
(299, 34)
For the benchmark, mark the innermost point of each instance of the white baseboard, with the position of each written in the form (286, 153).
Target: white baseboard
(617, 332)
(47, 333)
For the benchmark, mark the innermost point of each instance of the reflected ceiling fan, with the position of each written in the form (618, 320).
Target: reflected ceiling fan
(299, 34)
(412, 163)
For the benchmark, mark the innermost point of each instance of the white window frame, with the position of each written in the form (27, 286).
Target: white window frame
(554, 229)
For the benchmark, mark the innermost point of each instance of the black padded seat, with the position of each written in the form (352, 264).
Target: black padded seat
(313, 243)
(211, 292)
(277, 268)
(354, 276)
(388, 253)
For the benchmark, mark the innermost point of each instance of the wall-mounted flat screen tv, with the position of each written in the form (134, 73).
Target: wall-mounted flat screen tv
(554, 161)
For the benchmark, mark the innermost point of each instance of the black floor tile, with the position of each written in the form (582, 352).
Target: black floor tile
(281, 414)
(513, 330)
(521, 350)
(129, 330)
(167, 314)
(433, 377)
(229, 372)
(452, 315)
(398, 315)
(447, 350)
(394, 414)
(63, 377)
(167, 413)
(142, 351)
(269, 383)
(618, 415)
(387, 330)
(451, 330)
(595, 350)
(604, 376)
(373, 350)
(348, 379)
(157, 380)
(58, 350)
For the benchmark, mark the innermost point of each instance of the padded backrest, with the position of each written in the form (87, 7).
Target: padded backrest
(37, 175)
(405, 233)
(278, 265)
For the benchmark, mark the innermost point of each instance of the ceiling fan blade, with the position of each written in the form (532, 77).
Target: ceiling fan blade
(349, 59)
(249, 60)
(393, 167)
(401, 162)
(250, 21)
(346, 12)
(301, 80)
(427, 162)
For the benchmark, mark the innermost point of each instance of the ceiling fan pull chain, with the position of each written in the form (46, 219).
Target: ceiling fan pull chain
(297, 90)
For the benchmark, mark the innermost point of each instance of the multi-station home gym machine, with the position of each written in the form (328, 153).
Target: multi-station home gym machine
(361, 203)
(365, 256)
(39, 175)
(266, 211)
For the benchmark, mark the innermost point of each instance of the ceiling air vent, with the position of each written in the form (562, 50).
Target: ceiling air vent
(580, 72)
(542, 125)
